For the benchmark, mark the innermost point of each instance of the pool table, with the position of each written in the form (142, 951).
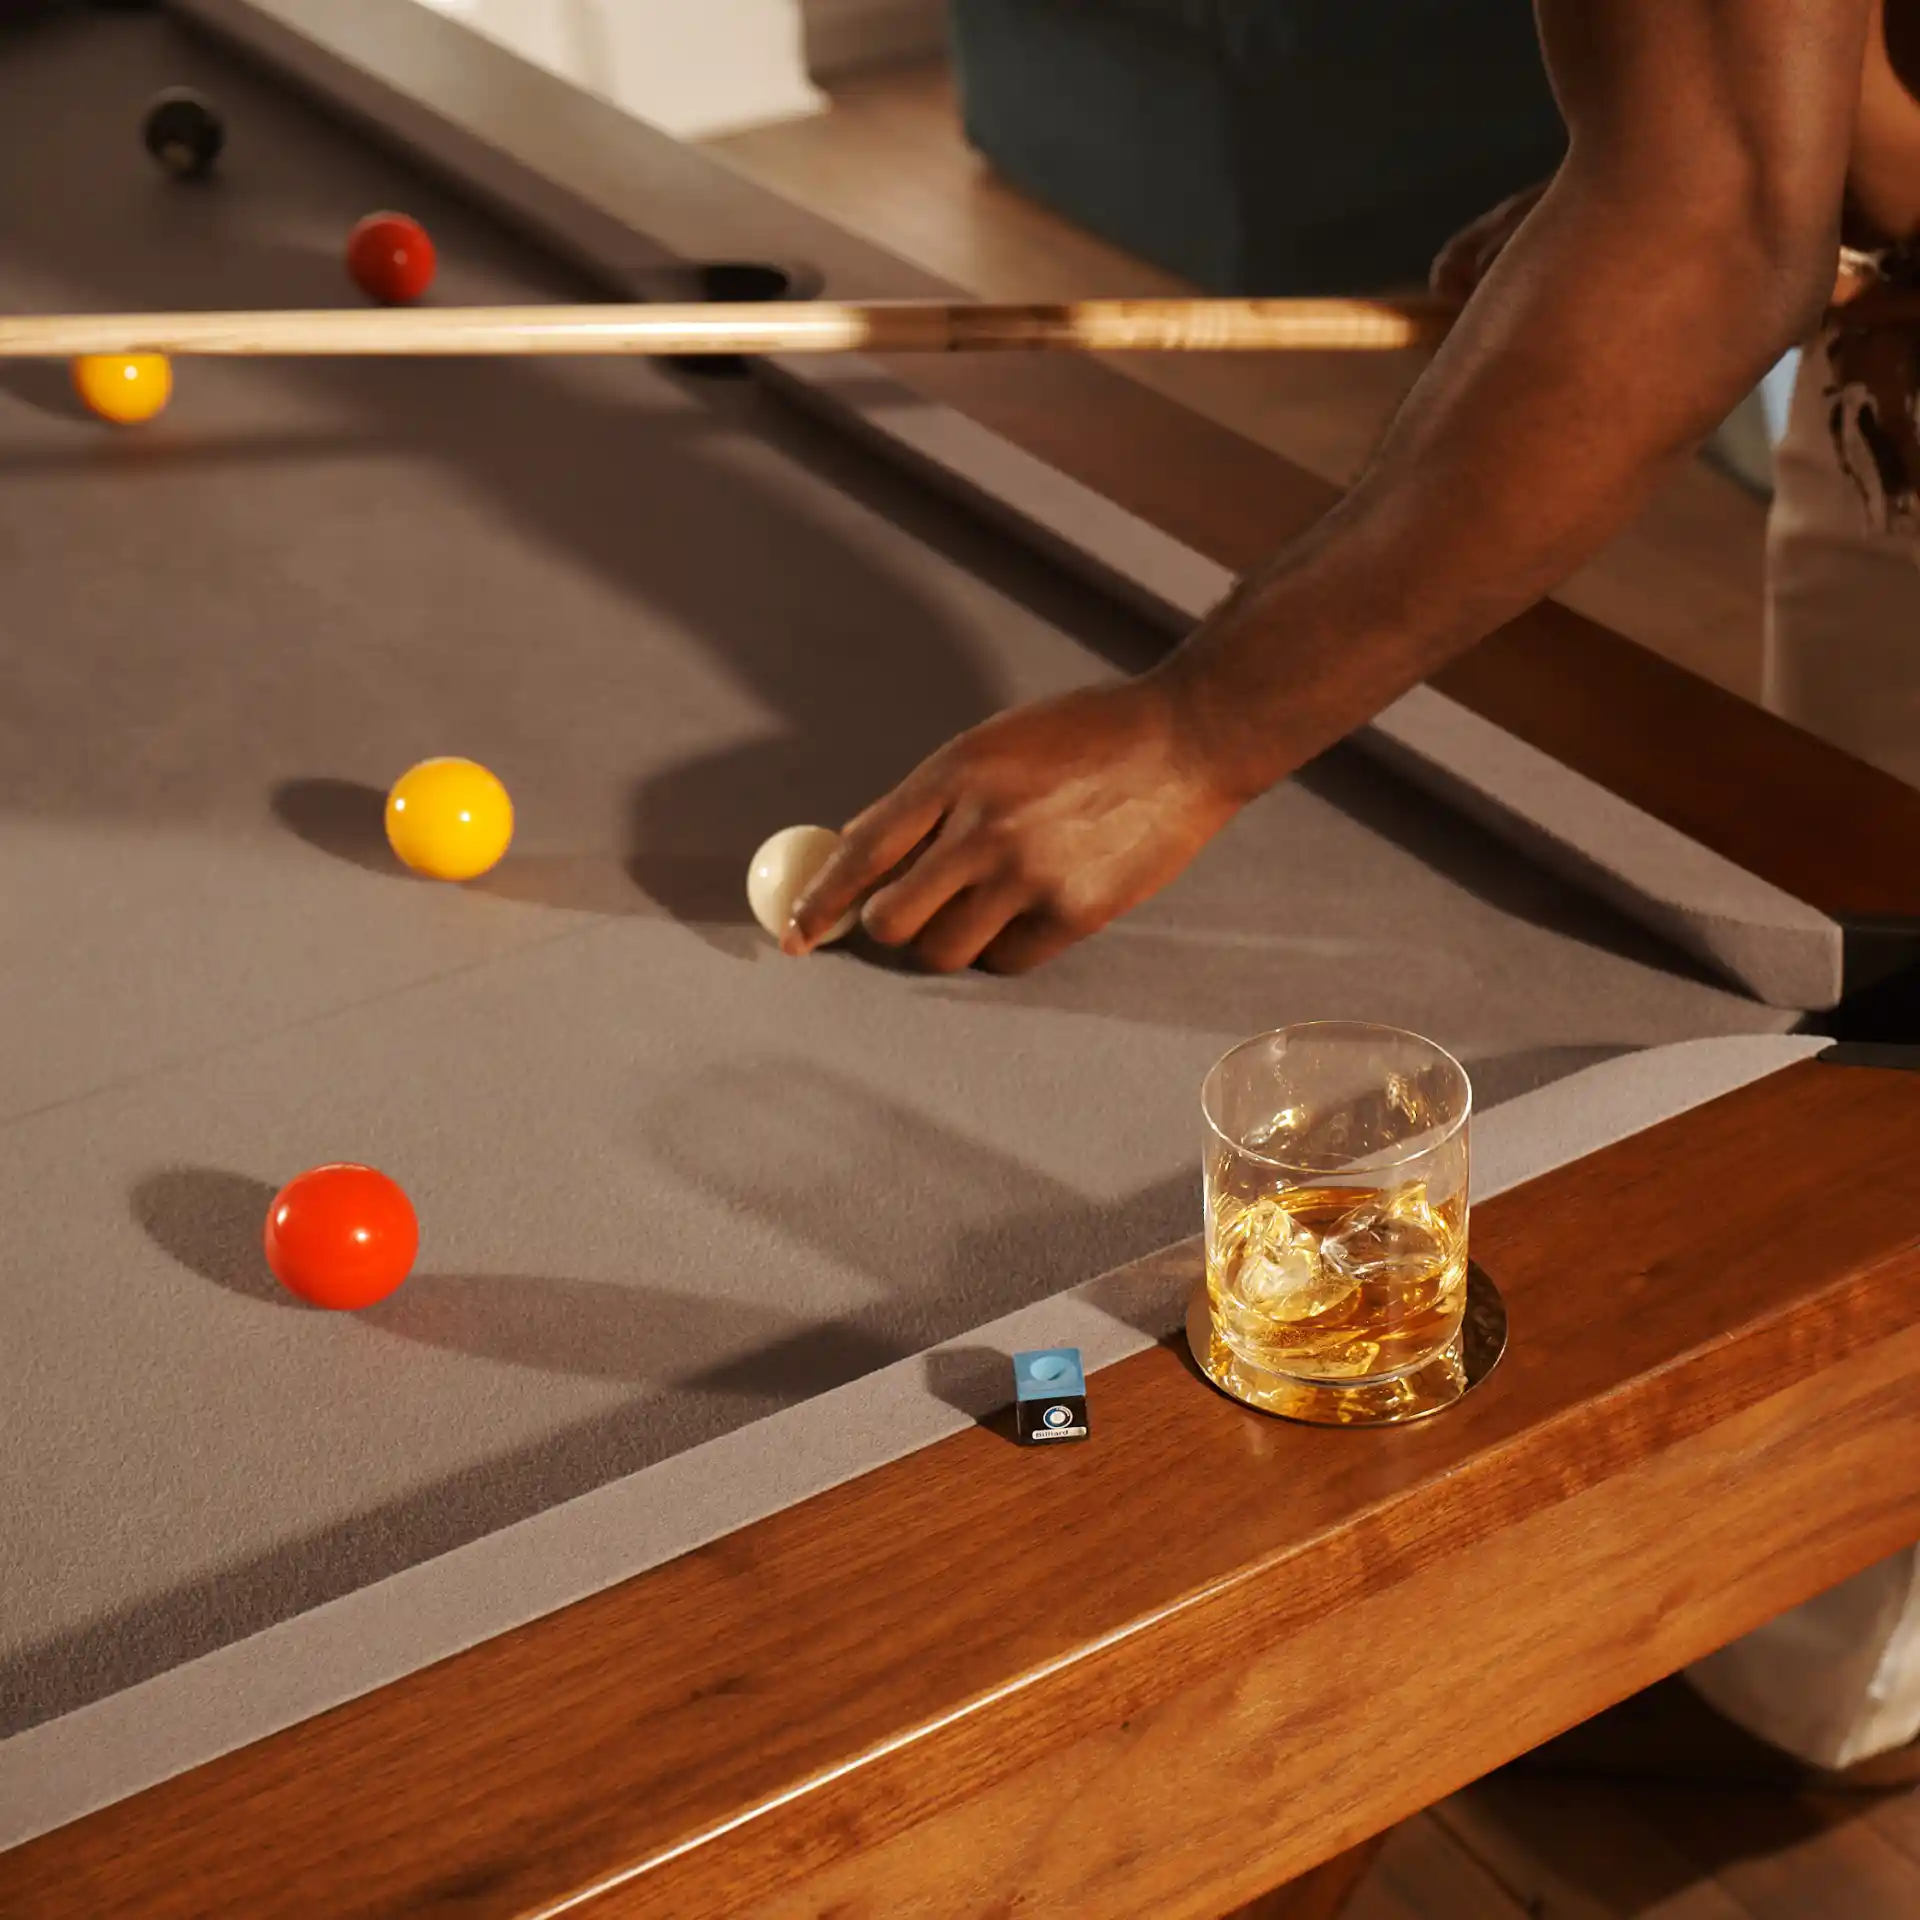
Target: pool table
(661, 1546)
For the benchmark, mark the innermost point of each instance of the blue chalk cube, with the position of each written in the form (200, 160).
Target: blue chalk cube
(1050, 1395)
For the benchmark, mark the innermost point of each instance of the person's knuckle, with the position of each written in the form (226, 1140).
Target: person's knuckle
(1034, 862)
(859, 841)
(1051, 895)
(1014, 868)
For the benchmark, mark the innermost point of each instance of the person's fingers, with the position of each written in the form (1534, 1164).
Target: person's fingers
(1029, 942)
(956, 935)
(1449, 279)
(870, 848)
(1468, 257)
(1458, 265)
(952, 861)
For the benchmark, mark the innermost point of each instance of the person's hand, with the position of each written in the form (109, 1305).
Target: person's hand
(1026, 834)
(1465, 260)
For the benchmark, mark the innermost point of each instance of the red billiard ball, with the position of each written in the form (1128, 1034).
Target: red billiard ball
(390, 258)
(341, 1236)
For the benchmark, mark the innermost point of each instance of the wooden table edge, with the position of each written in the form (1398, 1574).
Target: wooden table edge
(544, 1759)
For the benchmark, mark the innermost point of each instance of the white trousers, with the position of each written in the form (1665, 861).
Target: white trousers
(1842, 643)
(1837, 1680)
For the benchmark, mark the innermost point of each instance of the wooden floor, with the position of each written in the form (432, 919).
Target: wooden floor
(889, 162)
(1541, 1849)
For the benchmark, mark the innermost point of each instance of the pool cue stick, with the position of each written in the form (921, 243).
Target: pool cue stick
(773, 327)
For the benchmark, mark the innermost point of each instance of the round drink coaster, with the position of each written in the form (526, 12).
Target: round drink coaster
(1429, 1388)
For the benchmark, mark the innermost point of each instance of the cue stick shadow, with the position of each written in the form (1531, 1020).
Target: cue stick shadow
(207, 1219)
(750, 1356)
(1023, 1235)
(729, 1364)
(816, 1156)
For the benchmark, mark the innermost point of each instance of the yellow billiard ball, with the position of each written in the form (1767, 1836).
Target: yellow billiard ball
(449, 819)
(125, 388)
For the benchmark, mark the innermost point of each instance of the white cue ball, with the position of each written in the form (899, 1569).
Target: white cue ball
(780, 872)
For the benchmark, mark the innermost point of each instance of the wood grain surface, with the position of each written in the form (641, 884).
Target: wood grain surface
(624, 200)
(980, 1671)
(1324, 1893)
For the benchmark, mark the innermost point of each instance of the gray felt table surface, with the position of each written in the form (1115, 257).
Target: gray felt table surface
(669, 1182)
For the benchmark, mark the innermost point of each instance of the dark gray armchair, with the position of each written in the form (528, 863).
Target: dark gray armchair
(1262, 146)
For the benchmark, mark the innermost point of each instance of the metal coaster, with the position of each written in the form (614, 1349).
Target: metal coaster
(1424, 1390)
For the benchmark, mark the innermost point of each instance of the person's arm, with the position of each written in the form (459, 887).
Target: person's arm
(1689, 237)
(1464, 260)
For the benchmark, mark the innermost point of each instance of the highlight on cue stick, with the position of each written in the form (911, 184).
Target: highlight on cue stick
(794, 327)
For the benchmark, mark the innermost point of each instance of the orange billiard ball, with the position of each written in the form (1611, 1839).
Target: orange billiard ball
(341, 1236)
(125, 388)
(391, 258)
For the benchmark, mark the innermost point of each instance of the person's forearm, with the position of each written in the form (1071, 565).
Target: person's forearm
(1609, 338)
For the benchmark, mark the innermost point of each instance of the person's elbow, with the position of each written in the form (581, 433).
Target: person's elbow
(1750, 232)
(1783, 226)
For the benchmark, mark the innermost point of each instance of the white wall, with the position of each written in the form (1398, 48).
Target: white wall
(700, 67)
(845, 35)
